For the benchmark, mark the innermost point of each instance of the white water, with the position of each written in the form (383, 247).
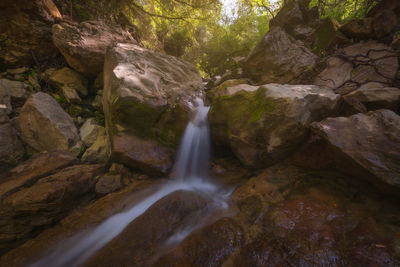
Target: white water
(191, 174)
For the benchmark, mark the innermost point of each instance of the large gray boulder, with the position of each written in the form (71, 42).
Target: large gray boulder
(368, 142)
(45, 126)
(84, 45)
(145, 96)
(263, 124)
(357, 64)
(279, 58)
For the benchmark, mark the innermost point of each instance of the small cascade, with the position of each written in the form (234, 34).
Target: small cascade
(194, 152)
(190, 173)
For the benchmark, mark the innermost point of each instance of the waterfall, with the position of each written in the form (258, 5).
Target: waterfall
(194, 152)
(190, 173)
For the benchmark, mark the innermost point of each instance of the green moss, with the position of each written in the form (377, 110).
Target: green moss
(60, 98)
(28, 73)
(240, 111)
(137, 118)
(171, 126)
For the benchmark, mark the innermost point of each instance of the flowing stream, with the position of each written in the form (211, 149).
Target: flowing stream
(190, 173)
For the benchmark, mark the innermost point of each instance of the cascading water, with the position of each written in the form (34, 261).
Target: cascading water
(190, 173)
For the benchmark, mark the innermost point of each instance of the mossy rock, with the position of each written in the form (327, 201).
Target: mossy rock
(165, 125)
(170, 127)
(245, 111)
(134, 117)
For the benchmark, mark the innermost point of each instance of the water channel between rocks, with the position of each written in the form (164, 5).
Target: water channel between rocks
(190, 174)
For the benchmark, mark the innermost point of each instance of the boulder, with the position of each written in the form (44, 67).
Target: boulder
(264, 124)
(279, 58)
(30, 171)
(365, 145)
(360, 63)
(25, 33)
(11, 149)
(90, 131)
(359, 29)
(70, 83)
(108, 184)
(142, 154)
(12, 93)
(84, 45)
(385, 24)
(46, 126)
(97, 152)
(377, 96)
(45, 202)
(294, 14)
(144, 100)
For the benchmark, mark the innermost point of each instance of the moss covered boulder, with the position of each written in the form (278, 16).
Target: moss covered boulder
(146, 95)
(263, 124)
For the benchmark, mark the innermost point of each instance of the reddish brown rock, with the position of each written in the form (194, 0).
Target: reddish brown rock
(82, 218)
(138, 243)
(210, 246)
(143, 154)
(45, 202)
(30, 171)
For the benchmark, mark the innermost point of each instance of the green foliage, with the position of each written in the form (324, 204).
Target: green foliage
(343, 10)
(28, 73)
(231, 37)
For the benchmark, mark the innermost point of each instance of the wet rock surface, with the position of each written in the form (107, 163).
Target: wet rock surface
(81, 219)
(285, 216)
(210, 246)
(137, 244)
